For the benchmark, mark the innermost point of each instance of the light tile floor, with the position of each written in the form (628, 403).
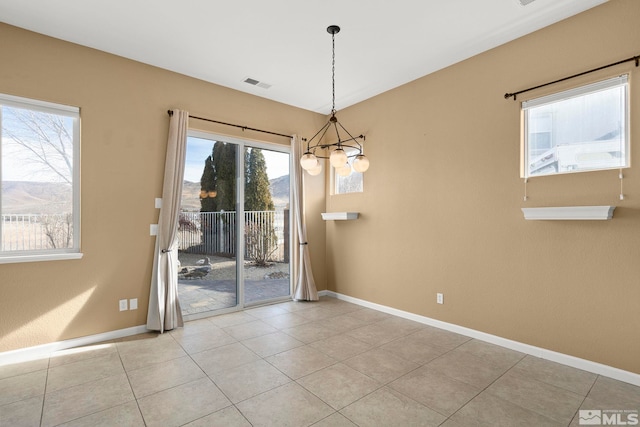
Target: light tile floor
(203, 295)
(328, 363)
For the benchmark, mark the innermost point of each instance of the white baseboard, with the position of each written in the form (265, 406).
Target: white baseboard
(44, 350)
(565, 359)
(31, 353)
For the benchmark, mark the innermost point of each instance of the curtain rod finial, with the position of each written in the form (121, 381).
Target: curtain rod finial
(170, 113)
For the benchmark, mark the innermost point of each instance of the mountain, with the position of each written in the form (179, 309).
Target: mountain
(26, 197)
(279, 188)
(190, 196)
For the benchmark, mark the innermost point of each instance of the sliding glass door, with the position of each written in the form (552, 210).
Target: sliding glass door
(233, 187)
(266, 227)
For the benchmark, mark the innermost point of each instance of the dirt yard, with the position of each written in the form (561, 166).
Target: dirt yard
(225, 268)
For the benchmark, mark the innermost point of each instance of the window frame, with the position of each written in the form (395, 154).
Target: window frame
(335, 178)
(576, 92)
(54, 254)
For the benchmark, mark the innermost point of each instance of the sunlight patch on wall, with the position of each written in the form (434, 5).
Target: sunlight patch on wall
(51, 325)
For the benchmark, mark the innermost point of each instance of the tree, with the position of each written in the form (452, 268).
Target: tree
(39, 138)
(39, 145)
(259, 227)
(218, 192)
(58, 229)
(257, 196)
(218, 182)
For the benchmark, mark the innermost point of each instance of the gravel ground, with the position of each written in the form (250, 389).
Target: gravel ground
(225, 268)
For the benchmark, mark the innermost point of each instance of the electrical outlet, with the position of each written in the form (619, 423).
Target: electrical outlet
(133, 304)
(440, 298)
(123, 305)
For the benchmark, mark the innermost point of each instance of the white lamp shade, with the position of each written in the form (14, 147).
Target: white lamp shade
(308, 161)
(338, 158)
(344, 170)
(315, 170)
(361, 163)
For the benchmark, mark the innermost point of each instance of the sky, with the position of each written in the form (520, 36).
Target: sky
(18, 164)
(199, 149)
(197, 152)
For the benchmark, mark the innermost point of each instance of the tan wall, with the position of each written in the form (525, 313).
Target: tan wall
(441, 206)
(450, 223)
(124, 131)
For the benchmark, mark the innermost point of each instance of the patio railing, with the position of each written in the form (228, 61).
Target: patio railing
(213, 233)
(25, 232)
(209, 233)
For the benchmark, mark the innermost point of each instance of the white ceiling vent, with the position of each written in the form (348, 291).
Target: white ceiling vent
(258, 83)
(525, 2)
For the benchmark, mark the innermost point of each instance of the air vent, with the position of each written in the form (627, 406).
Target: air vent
(525, 2)
(258, 83)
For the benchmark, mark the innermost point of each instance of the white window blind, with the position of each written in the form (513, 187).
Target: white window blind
(577, 130)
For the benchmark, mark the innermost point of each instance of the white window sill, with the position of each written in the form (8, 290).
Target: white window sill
(39, 257)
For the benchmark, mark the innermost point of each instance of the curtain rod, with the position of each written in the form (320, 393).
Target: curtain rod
(236, 126)
(515, 94)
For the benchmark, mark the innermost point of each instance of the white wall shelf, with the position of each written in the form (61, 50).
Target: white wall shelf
(339, 216)
(579, 213)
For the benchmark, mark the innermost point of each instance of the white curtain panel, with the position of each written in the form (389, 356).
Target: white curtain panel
(164, 308)
(305, 286)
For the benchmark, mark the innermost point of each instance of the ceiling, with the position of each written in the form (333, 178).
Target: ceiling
(284, 43)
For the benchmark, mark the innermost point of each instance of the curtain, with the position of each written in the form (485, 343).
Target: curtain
(164, 308)
(305, 286)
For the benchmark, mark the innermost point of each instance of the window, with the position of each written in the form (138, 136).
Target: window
(582, 129)
(39, 176)
(348, 184)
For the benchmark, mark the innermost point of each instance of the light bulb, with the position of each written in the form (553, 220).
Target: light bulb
(315, 170)
(361, 163)
(338, 158)
(308, 161)
(344, 170)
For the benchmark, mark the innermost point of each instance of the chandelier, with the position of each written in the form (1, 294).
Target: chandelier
(338, 157)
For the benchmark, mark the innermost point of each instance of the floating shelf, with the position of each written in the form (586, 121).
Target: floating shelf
(569, 213)
(339, 216)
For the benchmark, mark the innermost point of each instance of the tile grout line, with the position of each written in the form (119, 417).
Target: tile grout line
(483, 390)
(131, 386)
(584, 400)
(488, 357)
(44, 393)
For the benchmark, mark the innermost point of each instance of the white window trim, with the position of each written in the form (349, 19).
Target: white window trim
(9, 259)
(622, 80)
(62, 110)
(333, 181)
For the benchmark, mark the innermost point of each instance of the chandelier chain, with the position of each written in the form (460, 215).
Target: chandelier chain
(333, 72)
(310, 159)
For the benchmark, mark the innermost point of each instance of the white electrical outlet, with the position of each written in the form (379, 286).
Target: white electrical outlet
(440, 298)
(123, 305)
(133, 304)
